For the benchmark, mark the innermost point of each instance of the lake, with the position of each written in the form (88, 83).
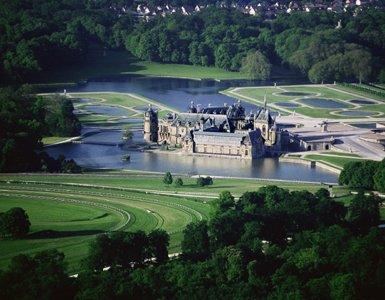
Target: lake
(178, 93)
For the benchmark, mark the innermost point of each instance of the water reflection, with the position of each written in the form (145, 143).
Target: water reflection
(177, 93)
(96, 156)
(172, 91)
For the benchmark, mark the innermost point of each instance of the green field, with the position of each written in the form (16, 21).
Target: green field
(67, 211)
(335, 161)
(131, 102)
(113, 63)
(334, 153)
(49, 140)
(336, 93)
(68, 217)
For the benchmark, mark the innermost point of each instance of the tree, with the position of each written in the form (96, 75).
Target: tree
(381, 76)
(359, 174)
(223, 56)
(203, 181)
(321, 71)
(167, 179)
(124, 249)
(195, 243)
(361, 64)
(14, 223)
(379, 180)
(363, 212)
(342, 287)
(224, 202)
(178, 182)
(43, 276)
(256, 66)
(158, 240)
(379, 177)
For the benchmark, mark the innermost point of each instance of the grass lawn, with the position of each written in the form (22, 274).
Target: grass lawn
(68, 217)
(358, 92)
(131, 102)
(148, 181)
(337, 161)
(375, 107)
(274, 95)
(126, 100)
(93, 119)
(49, 140)
(66, 211)
(110, 98)
(340, 154)
(114, 63)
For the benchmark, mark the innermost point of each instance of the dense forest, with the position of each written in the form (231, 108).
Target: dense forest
(34, 34)
(272, 244)
(307, 42)
(24, 120)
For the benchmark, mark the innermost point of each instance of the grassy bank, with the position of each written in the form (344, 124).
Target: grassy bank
(49, 140)
(335, 161)
(114, 63)
(100, 63)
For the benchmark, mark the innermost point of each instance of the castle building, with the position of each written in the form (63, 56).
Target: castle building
(217, 131)
(151, 125)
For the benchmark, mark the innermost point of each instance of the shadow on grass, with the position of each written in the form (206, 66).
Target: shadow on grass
(213, 187)
(50, 234)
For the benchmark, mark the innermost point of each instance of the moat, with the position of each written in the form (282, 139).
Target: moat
(177, 93)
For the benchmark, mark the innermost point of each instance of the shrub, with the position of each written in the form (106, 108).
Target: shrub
(14, 223)
(178, 182)
(203, 181)
(167, 179)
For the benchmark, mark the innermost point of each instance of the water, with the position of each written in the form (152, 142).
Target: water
(96, 156)
(111, 136)
(364, 125)
(107, 110)
(362, 101)
(287, 104)
(357, 113)
(83, 100)
(176, 93)
(323, 103)
(295, 94)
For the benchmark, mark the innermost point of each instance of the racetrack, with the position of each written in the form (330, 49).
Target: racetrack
(69, 217)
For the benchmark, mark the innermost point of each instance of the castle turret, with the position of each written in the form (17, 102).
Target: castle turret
(151, 125)
(192, 108)
(266, 124)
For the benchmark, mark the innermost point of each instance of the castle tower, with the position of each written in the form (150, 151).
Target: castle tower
(151, 125)
(265, 123)
(192, 108)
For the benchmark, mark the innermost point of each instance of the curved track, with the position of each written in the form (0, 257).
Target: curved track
(136, 211)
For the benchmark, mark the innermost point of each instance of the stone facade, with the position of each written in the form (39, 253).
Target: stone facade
(151, 125)
(224, 131)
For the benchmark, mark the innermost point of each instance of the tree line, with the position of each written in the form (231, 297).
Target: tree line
(24, 119)
(270, 244)
(40, 35)
(364, 175)
(35, 33)
(307, 42)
